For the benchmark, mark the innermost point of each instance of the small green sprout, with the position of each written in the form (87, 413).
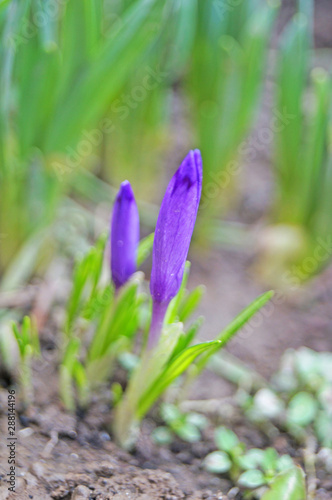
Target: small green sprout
(304, 382)
(249, 469)
(297, 400)
(303, 388)
(72, 371)
(28, 345)
(187, 426)
(100, 325)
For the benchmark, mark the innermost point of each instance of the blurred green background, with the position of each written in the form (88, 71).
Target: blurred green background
(94, 92)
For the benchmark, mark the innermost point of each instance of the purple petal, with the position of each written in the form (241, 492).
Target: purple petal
(124, 235)
(174, 228)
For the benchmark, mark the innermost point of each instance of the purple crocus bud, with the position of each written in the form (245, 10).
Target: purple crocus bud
(173, 233)
(124, 235)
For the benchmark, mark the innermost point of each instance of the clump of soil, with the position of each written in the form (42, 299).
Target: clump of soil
(63, 469)
(72, 457)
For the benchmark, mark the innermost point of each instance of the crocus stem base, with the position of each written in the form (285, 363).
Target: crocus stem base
(158, 314)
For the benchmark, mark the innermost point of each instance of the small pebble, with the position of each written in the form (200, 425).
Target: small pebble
(80, 493)
(233, 492)
(104, 436)
(37, 469)
(26, 432)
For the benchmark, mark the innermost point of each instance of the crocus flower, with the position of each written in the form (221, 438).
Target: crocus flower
(173, 233)
(124, 235)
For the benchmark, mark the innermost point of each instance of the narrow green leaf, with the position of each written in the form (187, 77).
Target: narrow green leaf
(24, 261)
(18, 338)
(172, 314)
(186, 338)
(172, 371)
(81, 379)
(70, 355)
(235, 326)
(125, 47)
(85, 281)
(144, 249)
(190, 303)
(151, 367)
(26, 330)
(183, 40)
(120, 320)
(98, 260)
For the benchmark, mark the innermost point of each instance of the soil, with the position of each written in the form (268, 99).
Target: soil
(73, 457)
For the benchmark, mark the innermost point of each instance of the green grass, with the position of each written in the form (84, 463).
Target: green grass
(60, 70)
(224, 82)
(89, 93)
(299, 242)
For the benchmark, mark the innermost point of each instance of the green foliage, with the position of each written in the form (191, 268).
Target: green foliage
(250, 469)
(187, 426)
(84, 298)
(302, 409)
(157, 369)
(235, 325)
(62, 65)
(298, 398)
(304, 383)
(302, 160)
(227, 441)
(83, 80)
(288, 485)
(100, 325)
(217, 53)
(27, 340)
(144, 249)
(100, 332)
(67, 373)
(224, 81)
(161, 366)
